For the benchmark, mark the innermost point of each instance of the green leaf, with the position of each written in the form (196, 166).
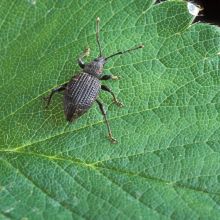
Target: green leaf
(167, 162)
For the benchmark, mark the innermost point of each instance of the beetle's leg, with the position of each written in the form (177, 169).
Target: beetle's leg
(102, 109)
(107, 77)
(81, 63)
(55, 90)
(115, 100)
(84, 54)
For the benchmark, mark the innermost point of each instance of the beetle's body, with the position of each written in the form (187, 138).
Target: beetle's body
(79, 95)
(82, 90)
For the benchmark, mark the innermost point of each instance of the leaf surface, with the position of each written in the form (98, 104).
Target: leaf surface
(166, 164)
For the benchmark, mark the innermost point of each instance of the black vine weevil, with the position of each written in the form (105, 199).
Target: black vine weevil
(82, 90)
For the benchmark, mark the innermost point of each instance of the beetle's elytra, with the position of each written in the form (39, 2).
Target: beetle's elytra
(82, 90)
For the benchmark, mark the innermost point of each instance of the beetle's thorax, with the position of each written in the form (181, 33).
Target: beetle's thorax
(95, 67)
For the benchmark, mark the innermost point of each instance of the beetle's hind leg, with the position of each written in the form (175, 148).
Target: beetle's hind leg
(55, 90)
(115, 100)
(102, 109)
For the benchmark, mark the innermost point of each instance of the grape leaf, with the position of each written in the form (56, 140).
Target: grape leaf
(166, 163)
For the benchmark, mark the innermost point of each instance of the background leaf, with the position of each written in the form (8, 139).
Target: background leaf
(166, 164)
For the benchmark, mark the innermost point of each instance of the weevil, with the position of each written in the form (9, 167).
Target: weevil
(82, 90)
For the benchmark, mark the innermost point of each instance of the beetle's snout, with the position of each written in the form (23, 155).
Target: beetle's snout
(100, 60)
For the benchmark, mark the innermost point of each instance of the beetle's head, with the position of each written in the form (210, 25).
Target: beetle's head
(96, 66)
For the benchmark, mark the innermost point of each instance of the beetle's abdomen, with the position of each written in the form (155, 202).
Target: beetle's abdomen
(79, 95)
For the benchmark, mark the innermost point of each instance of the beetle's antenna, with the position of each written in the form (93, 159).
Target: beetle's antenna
(97, 36)
(122, 52)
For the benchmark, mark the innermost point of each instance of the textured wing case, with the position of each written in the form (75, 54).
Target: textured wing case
(79, 95)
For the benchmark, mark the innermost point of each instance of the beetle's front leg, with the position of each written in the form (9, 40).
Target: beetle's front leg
(108, 77)
(115, 100)
(85, 53)
(55, 90)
